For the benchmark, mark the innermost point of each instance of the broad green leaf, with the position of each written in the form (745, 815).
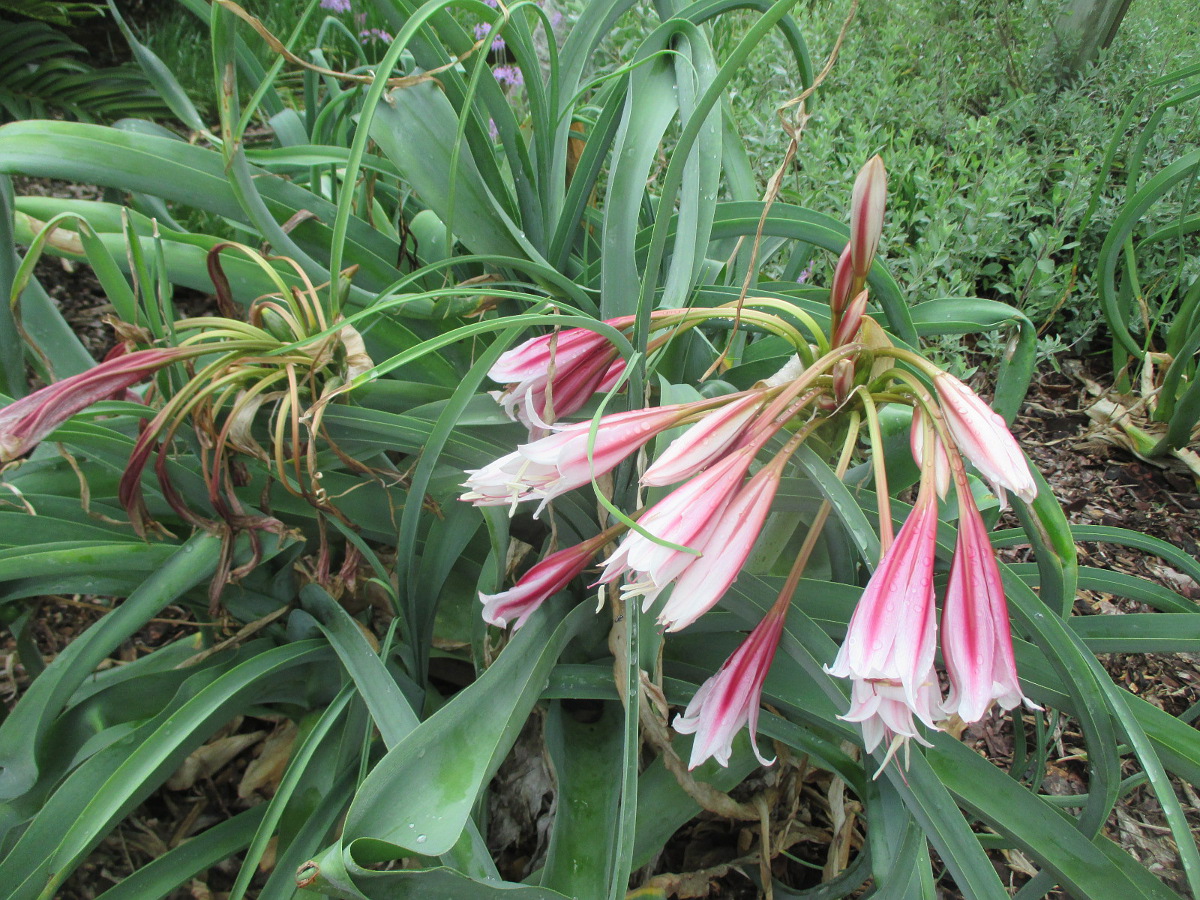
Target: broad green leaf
(419, 797)
(99, 793)
(407, 124)
(1080, 865)
(586, 756)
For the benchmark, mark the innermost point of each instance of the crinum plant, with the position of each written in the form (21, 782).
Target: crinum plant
(723, 455)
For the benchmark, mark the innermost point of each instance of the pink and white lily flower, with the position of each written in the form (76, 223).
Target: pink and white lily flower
(551, 466)
(890, 644)
(532, 358)
(883, 709)
(686, 516)
(582, 360)
(731, 698)
(704, 442)
(724, 552)
(536, 402)
(976, 638)
(984, 439)
(540, 583)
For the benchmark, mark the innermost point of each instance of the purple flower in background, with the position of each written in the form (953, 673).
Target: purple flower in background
(509, 75)
(338, 6)
(360, 19)
(493, 131)
(481, 31)
(374, 34)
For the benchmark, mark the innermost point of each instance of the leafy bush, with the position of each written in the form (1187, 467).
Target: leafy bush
(992, 163)
(397, 236)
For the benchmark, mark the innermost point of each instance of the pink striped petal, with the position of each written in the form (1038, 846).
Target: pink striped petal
(731, 698)
(976, 639)
(704, 442)
(984, 439)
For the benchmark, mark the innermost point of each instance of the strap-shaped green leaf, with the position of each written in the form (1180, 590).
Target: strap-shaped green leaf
(22, 733)
(411, 121)
(111, 783)
(419, 797)
(587, 763)
(164, 874)
(1086, 868)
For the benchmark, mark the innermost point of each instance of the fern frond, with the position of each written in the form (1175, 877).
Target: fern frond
(43, 75)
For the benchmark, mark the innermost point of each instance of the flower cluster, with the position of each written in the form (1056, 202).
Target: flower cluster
(890, 644)
(726, 463)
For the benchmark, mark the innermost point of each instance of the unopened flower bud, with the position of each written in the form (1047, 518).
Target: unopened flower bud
(843, 379)
(866, 215)
(847, 327)
(922, 430)
(843, 284)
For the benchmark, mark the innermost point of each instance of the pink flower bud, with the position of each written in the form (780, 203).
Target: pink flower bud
(843, 379)
(843, 284)
(922, 430)
(850, 322)
(540, 583)
(866, 215)
(704, 442)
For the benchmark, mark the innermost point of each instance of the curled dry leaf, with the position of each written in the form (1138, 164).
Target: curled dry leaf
(206, 761)
(263, 774)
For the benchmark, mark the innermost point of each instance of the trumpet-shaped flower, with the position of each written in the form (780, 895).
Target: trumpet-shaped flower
(724, 552)
(884, 710)
(686, 516)
(532, 358)
(537, 401)
(541, 582)
(703, 442)
(551, 466)
(889, 646)
(731, 698)
(581, 359)
(25, 422)
(976, 640)
(984, 439)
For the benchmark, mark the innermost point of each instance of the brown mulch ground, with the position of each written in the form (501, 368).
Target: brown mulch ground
(1096, 483)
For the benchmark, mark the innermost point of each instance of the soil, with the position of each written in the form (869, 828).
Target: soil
(1096, 482)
